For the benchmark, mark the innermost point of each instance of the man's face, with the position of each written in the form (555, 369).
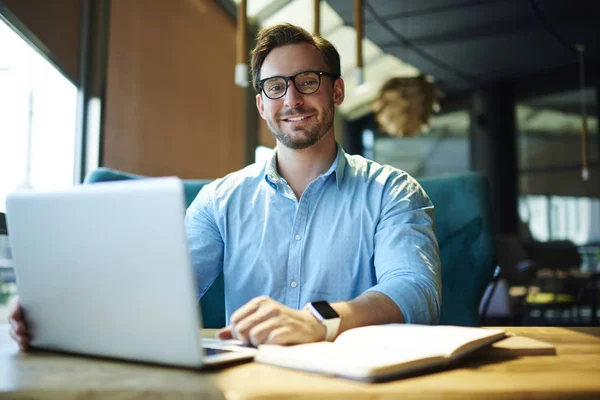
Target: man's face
(299, 120)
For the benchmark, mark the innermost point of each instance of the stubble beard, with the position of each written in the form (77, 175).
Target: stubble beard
(310, 137)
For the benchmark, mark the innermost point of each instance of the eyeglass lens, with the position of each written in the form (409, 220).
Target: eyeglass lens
(305, 82)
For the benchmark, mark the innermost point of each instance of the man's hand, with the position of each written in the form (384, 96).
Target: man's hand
(264, 321)
(18, 329)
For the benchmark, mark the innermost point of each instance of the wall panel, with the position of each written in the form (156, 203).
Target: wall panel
(172, 107)
(56, 24)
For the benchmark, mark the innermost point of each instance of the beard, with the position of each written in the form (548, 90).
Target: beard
(305, 136)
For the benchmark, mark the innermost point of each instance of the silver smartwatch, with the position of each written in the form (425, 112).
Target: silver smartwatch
(328, 317)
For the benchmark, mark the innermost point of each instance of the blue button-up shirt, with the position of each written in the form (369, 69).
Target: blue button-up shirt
(358, 227)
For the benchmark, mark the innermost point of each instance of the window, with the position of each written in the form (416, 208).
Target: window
(443, 150)
(561, 218)
(555, 203)
(37, 120)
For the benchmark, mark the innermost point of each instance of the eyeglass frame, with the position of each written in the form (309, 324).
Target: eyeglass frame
(287, 79)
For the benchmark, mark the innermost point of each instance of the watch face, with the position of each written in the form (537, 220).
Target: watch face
(323, 308)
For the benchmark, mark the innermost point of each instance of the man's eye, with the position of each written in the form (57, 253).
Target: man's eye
(309, 83)
(275, 88)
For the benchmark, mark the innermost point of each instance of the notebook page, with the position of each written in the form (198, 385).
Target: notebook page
(418, 340)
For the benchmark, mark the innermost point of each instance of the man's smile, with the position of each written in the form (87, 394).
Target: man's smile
(296, 118)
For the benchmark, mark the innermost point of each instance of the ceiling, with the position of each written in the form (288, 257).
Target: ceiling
(461, 43)
(468, 42)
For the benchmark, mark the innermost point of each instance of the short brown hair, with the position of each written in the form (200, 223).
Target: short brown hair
(279, 35)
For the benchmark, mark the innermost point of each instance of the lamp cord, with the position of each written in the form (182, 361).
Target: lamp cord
(584, 133)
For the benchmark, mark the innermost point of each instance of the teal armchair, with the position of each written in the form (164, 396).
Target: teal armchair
(463, 223)
(213, 303)
(463, 227)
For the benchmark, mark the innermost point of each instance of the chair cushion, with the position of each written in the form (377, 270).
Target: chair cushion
(458, 262)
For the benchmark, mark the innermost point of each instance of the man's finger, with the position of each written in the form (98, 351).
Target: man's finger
(259, 334)
(13, 335)
(22, 341)
(247, 309)
(14, 324)
(15, 308)
(282, 335)
(19, 330)
(264, 313)
(225, 333)
(18, 327)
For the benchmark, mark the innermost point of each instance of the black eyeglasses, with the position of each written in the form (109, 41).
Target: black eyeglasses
(306, 82)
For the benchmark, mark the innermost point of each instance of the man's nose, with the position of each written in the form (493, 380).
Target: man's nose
(293, 98)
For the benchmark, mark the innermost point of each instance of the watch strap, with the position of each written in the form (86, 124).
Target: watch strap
(332, 325)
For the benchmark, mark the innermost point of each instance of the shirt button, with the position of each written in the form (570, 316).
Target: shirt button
(293, 284)
(297, 237)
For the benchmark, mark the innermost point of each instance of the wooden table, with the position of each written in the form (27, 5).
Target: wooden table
(573, 373)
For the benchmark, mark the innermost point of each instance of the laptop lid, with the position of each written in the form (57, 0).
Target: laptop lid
(104, 270)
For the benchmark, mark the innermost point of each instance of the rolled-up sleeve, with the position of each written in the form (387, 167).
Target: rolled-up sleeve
(406, 253)
(204, 239)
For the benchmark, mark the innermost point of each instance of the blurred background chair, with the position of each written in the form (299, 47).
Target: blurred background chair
(556, 294)
(496, 302)
(537, 285)
(463, 228)
(516, 272)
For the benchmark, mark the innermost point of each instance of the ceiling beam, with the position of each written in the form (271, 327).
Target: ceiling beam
(439, 9)
(556, 80)
(520, 26)
(271, 9)
(419, 51)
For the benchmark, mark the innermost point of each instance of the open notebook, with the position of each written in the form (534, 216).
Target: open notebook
(380, 352)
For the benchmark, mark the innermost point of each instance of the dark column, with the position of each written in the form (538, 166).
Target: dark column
(93, 55)
(251, 116)
(597, 86)
(352, 137)
(494, 150)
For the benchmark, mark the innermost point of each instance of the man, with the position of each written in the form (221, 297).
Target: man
(313, 223)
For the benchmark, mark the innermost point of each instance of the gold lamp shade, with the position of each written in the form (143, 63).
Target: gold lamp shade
(404, 105)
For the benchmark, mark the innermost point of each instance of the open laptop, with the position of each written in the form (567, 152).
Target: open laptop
(104, 270)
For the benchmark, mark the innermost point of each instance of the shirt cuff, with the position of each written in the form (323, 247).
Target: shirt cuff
(418, 303)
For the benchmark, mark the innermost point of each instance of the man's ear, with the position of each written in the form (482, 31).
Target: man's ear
(260, 106)
(338, 91)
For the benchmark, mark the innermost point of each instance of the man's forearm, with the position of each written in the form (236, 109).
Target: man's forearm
(370, 308)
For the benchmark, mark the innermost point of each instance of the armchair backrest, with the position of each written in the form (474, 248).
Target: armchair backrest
(463, 222)
(463, 227)
(213, 302)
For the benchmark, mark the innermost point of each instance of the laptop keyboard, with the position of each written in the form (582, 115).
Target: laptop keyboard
(212, 352)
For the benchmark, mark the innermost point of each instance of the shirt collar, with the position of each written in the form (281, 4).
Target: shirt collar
(271, 174)
(339, 165)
